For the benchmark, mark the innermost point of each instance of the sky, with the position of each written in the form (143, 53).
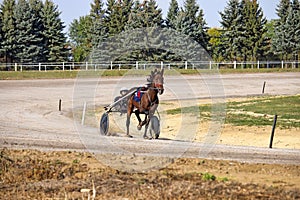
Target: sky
(73, 9)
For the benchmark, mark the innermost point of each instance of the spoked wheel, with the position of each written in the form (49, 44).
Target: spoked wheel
(104, 124)
(155, 127)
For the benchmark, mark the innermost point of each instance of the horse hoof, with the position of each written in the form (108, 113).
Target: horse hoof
(139, 127)
(145, 137)
(130, 136)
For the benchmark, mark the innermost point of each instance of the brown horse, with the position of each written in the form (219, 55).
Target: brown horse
(148, 103)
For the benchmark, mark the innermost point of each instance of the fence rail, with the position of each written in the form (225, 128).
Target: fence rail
(143, 65)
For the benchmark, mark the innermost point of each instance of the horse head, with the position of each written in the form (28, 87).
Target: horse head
(156, 80)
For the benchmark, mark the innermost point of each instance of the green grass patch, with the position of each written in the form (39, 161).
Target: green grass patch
(254, 112)
(56, 74)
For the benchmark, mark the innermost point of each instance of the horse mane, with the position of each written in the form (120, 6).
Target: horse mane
(152, 75)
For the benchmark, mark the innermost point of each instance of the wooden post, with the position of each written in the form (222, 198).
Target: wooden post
(264, 85)
(273, 132)
(59, 105)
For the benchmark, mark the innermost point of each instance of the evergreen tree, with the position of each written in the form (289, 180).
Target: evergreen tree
(191, 22)
(99, 30)
(293, 29)
(26, 39)
(8, 30)
(146, 14)
(255, 29)
(278, 42)
(231, 17)
(38, 28)
(55, 39)
(172, 14)
(244, 30)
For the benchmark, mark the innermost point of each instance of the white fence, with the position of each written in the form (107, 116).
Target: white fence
(143, 65)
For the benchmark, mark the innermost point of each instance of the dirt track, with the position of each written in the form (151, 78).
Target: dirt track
(30, 117)
(30, 120)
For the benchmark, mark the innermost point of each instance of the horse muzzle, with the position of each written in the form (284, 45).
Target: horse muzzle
(160, 91)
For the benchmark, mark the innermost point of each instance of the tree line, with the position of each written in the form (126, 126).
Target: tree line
(32, 31)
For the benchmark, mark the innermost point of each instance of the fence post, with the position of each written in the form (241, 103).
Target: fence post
(137, 65)
(119, 66)
(273, 132)
(86, 66)
(258, 64)
(185, 65)
(282, 65)
(161, 65)
(234, 64)
(63, 66)
(16, 67)
(111, 65)
(39, 66)
(209, 64)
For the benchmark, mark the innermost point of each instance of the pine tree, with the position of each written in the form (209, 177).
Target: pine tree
(245, 33)
(278, 42)
(99, 29)
(26, 41)
(191, 22)
(172, 14)
(55, 39)
(8, 30)
(255, 28)
(38, 28)
(293, 27)
(146, 14)
(231, 17)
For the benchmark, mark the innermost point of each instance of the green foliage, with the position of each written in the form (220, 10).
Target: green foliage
(8, 30)
(172, 14)
(286, 40)
(208, 177)
(32, 32)
(55, 39)
(215, 43)
(27, 40)
(245, 33)
(81, 38)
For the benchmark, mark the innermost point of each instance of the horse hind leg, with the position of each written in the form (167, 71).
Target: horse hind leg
(137, 114)
(129, 112)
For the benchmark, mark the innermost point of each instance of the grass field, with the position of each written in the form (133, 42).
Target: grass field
(255, 112)
(13, 75)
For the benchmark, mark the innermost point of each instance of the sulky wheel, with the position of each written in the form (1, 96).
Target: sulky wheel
(104, 124)
(155, 126)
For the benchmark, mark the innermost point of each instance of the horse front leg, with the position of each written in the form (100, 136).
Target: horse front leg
(147, 121)
(151, 114)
